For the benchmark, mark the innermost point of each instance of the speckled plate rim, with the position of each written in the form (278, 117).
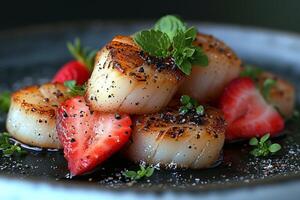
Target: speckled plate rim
(284, 39)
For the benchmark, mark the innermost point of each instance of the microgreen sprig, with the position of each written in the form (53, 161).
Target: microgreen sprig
(141, 173)
(251, 72)
(7, 148)
(74, 89)
(4, 101)
(266, 88)
(82, 54)
(190, 104)
(170, 37)
(264, 146)
(254, 73)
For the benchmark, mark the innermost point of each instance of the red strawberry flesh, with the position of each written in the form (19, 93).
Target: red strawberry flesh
(89, 137)
(73, 70)
(247, 113)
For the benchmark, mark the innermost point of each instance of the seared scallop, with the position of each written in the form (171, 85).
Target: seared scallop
(282, 94)
(31, 117)
(125, 79)
(207, 83)
(170, 139)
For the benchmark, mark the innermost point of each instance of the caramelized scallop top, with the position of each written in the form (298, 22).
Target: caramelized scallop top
(212, 45)
(129, 59)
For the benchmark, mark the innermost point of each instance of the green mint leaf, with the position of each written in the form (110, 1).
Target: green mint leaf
(171, 38)
(74, 89)
(185, 99)
(251, 72)
(190, 35)
(185, 66)
(170, 25)
(154, 42)
(253, 141)
(274, 148)
(4, 101)
(199, 58)
(188, 52)
(267, 86)
(82, 54)
(179, 42)
(185, 54)
(264, 138)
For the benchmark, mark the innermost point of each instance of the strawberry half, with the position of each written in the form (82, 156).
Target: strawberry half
(247, 113)
(89, 137)
(79, 69)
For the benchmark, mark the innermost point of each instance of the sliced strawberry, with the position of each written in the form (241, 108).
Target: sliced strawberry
(79, 69)
(72, 70)
(247, 113)
(89, 137)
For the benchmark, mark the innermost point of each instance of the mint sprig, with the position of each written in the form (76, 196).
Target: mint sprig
(74, 89)
(4, 101)
(171, 38)
(264, 146)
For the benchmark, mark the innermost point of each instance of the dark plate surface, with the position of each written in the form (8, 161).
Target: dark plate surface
(31, 56)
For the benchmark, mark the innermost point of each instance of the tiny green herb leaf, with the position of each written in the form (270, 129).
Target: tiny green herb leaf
(190, 34)
(7, 148)
(75, 90)
(253, 141)
(171, 38)
(274, 148)
(267, 86)
(81, 54)
(141, 173)
(4, 101)
(200, 110)
(185, 99)
(264, 138)
(264, 146)
(251, 72)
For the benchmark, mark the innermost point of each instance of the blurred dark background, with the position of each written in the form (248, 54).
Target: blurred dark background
(276, 14)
